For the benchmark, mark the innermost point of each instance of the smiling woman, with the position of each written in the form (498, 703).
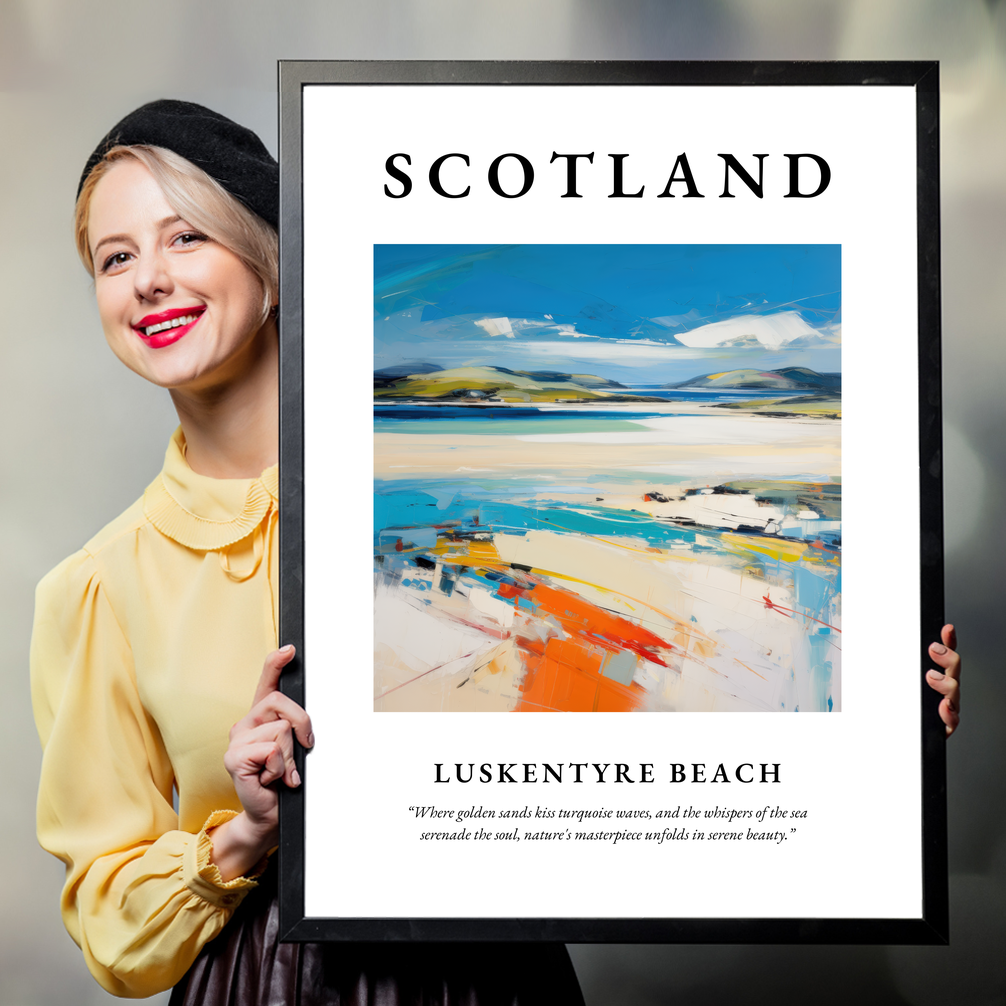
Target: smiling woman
(148, 642)
(157, 278)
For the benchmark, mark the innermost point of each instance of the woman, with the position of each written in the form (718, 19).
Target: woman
(148, 643)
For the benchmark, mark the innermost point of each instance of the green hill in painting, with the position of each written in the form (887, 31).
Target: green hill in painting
(474, 384)
(786, 379)
(823, 406)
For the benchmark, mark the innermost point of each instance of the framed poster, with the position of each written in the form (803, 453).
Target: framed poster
(611, 501)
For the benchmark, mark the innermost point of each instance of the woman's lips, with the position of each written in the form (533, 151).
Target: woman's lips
(164, 328)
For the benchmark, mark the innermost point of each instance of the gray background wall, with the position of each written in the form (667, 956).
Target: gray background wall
(81, 436)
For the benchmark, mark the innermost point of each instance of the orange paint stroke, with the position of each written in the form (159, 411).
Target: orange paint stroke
(567, 677)
(590, 622)
(751, 669)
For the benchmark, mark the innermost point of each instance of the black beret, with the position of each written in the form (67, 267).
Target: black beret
(231, 154)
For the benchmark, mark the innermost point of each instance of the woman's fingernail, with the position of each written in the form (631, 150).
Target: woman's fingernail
(936, 675)
(938, 648)
(295, 777)
(286, 649)
(310, 740)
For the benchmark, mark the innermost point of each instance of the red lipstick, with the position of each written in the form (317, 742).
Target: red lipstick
(166, 327)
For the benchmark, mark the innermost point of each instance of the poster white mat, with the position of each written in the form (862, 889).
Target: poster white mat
(856, 773)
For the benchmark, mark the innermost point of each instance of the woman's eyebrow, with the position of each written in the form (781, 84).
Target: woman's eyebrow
(160, 225)
(109, 240)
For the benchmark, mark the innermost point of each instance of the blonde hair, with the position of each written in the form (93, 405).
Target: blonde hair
(199, 200)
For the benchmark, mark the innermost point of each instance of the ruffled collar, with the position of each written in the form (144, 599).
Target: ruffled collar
(203, 513)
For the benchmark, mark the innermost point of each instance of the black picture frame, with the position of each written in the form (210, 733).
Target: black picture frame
(932, 926)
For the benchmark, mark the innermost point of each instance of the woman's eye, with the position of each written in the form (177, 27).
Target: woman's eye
(190, 238)
(114, 261)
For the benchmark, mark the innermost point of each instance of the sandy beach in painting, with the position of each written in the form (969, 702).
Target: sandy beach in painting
(701, 594)
(606, 511)
(701, 442)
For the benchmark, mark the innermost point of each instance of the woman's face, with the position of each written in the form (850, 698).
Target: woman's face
(177, 308)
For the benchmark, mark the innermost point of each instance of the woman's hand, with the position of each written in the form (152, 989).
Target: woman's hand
(260, 753)
(947, 682)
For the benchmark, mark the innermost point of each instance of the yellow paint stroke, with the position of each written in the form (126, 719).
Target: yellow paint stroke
(785, 549)
(483, 549)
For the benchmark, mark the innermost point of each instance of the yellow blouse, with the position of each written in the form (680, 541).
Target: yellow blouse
(147, 647)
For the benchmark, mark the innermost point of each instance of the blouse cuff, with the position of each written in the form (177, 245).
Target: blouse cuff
(202, 876)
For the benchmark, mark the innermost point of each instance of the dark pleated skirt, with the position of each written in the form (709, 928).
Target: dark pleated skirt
(246, 965)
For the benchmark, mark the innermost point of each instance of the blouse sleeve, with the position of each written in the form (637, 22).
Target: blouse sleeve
(141, 898)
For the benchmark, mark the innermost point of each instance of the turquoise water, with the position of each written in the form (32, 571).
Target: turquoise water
(490, 506)
(521, 420)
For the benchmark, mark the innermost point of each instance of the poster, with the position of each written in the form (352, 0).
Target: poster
(707, 574)
(607, 447)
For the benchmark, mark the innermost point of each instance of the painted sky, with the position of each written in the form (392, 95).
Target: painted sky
(640, 314)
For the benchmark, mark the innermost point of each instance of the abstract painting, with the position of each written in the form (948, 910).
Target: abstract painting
(607, 478)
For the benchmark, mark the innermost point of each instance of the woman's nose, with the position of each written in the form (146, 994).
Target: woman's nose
(152, 277)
